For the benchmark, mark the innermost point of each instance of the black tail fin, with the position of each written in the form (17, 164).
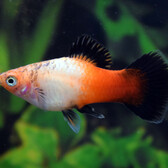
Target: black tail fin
(155, 70)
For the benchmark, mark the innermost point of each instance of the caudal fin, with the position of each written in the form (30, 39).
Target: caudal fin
(155, 73)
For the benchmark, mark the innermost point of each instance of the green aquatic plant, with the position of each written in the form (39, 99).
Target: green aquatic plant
(40, 147)
(30, 137)
(126, 25)
(30, 48)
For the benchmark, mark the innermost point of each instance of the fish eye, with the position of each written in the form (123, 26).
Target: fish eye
(11, 81)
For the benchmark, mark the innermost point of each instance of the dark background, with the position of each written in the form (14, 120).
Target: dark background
(31, 31)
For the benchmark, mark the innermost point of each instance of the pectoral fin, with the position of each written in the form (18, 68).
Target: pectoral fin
(72, 119)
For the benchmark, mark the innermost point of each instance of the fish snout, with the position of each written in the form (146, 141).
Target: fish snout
(1, 79)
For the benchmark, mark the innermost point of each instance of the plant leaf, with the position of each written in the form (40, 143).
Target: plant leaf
(36, 46)
(38, 147)
(86, 156)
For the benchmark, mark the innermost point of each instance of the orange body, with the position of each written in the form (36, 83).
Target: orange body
(71, 82)
(102, 85)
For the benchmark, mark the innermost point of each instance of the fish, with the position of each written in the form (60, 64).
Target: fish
(85, 77)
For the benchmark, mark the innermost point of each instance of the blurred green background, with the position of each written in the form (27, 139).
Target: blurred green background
(31, 31)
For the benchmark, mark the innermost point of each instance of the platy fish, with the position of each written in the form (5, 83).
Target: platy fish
(86, 77)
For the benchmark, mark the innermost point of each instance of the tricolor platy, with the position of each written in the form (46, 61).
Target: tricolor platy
(86, 77)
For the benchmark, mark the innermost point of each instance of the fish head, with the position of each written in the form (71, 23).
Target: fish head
(16, 82)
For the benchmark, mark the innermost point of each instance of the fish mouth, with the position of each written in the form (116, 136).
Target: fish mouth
(0, 79)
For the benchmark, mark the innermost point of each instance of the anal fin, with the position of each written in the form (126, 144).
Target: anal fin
(90, 111)
(72, 119)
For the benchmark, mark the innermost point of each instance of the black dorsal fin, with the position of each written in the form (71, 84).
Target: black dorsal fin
(90, 50)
